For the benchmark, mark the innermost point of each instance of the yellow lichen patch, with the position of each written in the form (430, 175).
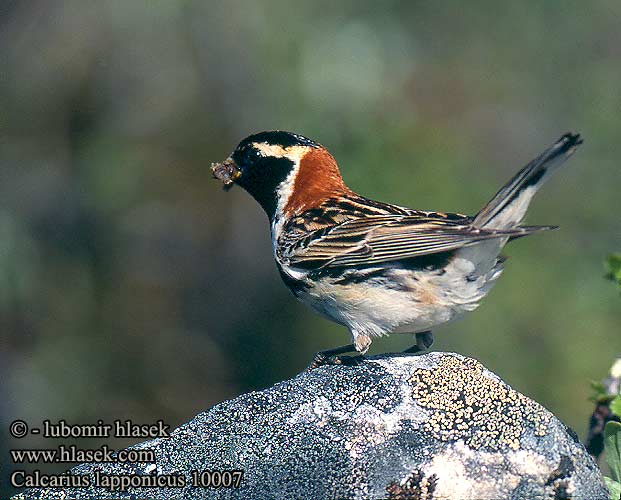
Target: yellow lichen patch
(482, 411)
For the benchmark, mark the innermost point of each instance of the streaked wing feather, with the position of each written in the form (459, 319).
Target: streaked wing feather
(376, 239)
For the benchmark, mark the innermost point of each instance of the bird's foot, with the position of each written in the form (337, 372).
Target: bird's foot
(332, 357)
(424, 340)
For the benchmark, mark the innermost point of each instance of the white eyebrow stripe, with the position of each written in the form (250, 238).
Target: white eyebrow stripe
(295, 153)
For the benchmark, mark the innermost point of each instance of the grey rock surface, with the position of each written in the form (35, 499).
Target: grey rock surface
(423, 427)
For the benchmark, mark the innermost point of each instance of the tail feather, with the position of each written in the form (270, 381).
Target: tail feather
(530, 230)
(508, 207)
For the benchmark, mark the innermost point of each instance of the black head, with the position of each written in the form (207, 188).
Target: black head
(278, 138)
(262, 162)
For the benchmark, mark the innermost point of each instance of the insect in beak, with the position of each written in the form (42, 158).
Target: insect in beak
(226, 171)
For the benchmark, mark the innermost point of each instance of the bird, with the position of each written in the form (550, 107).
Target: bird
(378, 268)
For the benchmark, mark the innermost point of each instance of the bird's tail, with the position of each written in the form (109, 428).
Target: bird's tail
(507, 208)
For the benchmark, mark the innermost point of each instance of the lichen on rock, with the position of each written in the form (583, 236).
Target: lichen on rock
(426, 427)
(468, 404)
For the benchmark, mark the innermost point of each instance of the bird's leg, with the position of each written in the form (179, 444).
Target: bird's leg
(331, 357)
(424, 340)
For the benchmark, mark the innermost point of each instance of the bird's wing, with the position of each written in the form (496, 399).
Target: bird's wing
(384, 238)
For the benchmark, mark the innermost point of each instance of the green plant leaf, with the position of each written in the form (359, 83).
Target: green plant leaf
(613, 487)
(612, 445)
(613, 268)
(598, 392)
(615, 406)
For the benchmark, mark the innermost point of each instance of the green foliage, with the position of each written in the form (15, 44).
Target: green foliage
(599, 393)
(613, 268)
(614, 487)
(615, 405)
(612, 445)
(612, 431)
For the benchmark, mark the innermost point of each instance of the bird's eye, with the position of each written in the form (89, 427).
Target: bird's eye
(253, 154)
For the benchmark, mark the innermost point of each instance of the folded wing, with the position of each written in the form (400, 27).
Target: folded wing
(385, 238)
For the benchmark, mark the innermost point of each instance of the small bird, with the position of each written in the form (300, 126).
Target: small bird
(374, 267)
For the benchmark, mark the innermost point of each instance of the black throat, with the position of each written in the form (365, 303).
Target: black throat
(262, 178)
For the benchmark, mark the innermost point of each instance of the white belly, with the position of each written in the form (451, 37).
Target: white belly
(404, 301)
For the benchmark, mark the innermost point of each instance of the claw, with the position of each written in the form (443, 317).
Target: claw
(321, 360)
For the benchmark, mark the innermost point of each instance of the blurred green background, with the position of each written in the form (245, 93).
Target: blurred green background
(132, 286)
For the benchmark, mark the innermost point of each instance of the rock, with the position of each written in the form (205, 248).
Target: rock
(420, 427)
